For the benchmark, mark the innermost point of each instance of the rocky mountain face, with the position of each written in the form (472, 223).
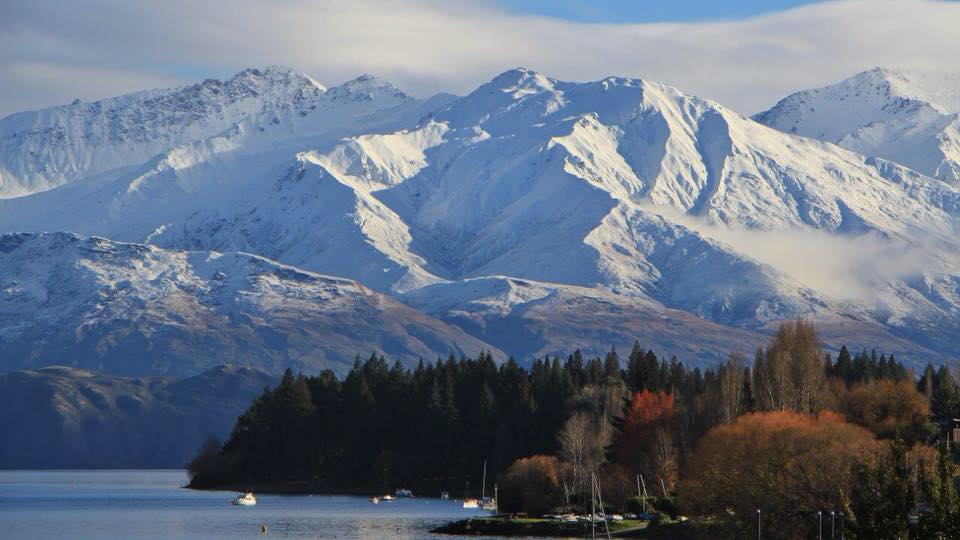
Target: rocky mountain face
(60, 417)
(138, 310)
(532, 216)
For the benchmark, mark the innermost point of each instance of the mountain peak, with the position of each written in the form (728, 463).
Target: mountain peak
(369, 87)
(520, 80)
(905, 116)
(941, 89)
(273, 75)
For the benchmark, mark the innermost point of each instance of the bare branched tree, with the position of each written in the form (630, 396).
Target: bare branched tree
(789, 374)
(583, 441)
(731, 374)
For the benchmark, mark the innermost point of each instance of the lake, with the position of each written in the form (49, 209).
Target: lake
(140, 505)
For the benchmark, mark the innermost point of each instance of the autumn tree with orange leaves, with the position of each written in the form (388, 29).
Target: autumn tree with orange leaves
(646, 440)
(889, 409)
(788, 465)
(531, 485)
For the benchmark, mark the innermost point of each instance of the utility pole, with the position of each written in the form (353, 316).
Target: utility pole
(758, 524)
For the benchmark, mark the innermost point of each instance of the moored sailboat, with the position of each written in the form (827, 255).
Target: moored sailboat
(487, 503)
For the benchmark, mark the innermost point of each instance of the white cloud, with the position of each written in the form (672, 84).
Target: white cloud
(100, 48)
(859, 268)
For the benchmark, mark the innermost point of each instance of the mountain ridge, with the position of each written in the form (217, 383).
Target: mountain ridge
(911, 117)
(133, 309)
(619, 191)
(64, 417)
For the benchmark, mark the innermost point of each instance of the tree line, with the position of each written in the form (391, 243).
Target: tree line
(792, 433)
(386, 425)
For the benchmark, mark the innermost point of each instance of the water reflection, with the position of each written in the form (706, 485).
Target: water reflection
(142, 505)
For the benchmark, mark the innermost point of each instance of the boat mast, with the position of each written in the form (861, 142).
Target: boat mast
(606, 524)
(640, 495)
(483, 490)
(644, 493)
(593, 508)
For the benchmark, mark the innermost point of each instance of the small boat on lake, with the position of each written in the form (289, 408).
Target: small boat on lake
(247, 499)
(387, 498)
(404, 493)
(374, 500)
(471, 503)
(487, 503)
(445, 495)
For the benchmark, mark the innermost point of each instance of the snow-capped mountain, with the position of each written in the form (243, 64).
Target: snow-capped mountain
(910, 117)
(134, 309)
(539, 215)
(44, 149)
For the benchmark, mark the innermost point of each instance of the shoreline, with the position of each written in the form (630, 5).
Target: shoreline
(289, 488)
(527, 527)
(306, 487)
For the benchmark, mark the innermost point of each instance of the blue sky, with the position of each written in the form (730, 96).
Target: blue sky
(646, 11)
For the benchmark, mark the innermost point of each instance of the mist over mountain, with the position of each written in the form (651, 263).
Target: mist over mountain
(530, 216)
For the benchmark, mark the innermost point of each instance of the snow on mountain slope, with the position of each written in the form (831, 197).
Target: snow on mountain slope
(911, 117)
(43, 149)
(532, 319)
(138, 310)
(614, 193)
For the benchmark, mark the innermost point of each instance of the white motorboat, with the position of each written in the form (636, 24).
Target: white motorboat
(247, 499)
(471, 503)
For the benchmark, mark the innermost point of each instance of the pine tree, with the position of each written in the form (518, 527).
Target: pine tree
(635, 370)
(925, 384)
(611, 364)
(844, 366)
(945, 399)
(943, 520)
(882, 498)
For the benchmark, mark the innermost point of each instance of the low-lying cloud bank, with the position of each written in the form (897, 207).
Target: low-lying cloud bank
(56, 51)
(856, 268)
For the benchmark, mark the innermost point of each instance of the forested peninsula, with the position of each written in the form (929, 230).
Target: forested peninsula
(794, 432)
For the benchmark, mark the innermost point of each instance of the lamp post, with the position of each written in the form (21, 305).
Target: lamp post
(758, 524)
(819, 525)
(832, 528)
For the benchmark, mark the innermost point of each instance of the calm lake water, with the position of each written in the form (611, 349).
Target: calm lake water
(140, 505)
